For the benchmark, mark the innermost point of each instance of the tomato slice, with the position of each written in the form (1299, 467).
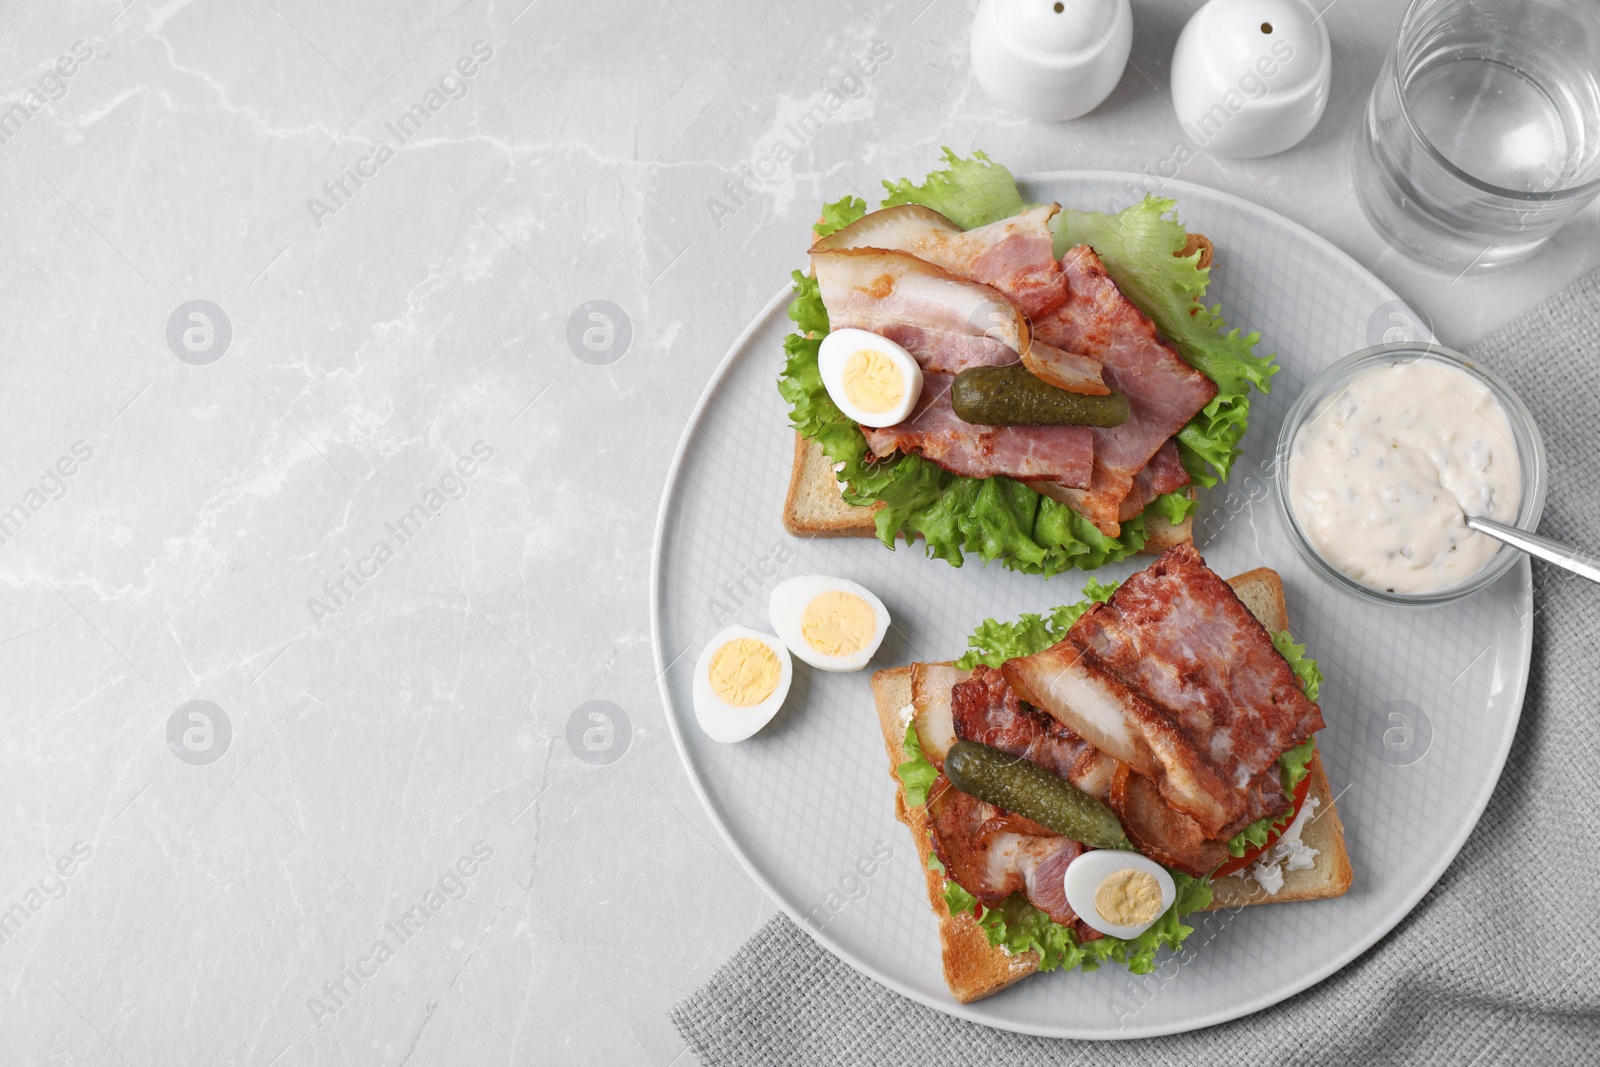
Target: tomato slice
(1300, 793)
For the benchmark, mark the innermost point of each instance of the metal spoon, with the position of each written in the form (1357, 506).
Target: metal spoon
(1581, 563)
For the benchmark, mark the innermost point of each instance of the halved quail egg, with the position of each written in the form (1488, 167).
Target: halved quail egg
(874, 381)
(833, 624)
(740, 681)
(1119, 893)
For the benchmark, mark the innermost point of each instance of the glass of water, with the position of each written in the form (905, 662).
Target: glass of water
(1482, 136)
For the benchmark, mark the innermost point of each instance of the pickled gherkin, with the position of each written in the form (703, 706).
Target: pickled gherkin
(1012, 396)
(1029, 790)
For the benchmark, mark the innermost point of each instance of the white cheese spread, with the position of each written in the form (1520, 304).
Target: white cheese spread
(1381, 477)
(1288, 854)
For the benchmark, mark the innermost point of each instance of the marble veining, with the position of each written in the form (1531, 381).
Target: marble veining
(346, 349)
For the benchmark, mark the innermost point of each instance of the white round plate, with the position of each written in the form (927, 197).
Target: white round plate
(1421, 706)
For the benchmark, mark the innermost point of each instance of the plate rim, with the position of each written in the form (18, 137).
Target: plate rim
(971, 1012)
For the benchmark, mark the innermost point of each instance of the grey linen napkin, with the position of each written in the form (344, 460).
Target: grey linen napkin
(1497, 962)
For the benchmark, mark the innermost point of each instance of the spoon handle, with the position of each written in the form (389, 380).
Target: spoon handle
(1582, 563)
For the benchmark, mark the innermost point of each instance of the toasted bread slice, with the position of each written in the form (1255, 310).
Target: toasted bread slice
(1329, 877)
(1161, 535)
(973, 969)
(1261, 590)
(815, 508)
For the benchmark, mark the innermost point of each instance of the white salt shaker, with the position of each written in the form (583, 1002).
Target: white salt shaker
(1051, 59)
(1250, 77)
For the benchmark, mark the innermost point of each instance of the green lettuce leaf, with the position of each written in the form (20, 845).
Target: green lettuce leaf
(1138, 246)
(969, 192)
(839, 214)
(916, 774)
(992, 643)
(1305, 668)
(1173, 507)
(1294, 764)
(1017, 926)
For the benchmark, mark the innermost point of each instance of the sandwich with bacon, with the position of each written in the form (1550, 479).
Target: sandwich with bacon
(1037, 385)
(1080, 781)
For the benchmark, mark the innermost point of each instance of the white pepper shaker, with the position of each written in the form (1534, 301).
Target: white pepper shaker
(1250, 77)
(1051, 59)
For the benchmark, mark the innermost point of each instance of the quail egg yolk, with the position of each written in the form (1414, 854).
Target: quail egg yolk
(1128, 898)
(872, 382)
(837, 623)
(744, 672)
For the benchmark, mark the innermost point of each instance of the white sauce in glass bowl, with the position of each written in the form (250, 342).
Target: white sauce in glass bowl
(1380, 475)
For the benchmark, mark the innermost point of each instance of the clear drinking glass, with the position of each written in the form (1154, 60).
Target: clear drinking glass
(1482, 136)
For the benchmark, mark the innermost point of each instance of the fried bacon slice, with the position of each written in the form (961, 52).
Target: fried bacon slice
(987, 710)
(932, 687)
(992, 854)
(1062, 455)
(1015, 255)
(1175, 677)
(1169, 837)
(1093, 704)
(946, 351)
(1163, 391)
(1164, 473)
(1071, 371)
(871, 289)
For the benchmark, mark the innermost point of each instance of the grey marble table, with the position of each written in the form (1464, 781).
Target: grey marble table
(318, 540)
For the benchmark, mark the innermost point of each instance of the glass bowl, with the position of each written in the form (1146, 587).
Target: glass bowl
(1327, 385)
